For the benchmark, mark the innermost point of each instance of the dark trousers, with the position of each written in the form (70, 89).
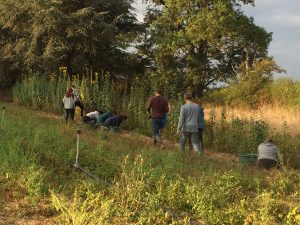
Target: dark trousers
(266, 163)
(80, 105)
(69, 114)
(157, 124)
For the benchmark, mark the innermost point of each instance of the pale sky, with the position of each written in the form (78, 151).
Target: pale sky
(282, 17)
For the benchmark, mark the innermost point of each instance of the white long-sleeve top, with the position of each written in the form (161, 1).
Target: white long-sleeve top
(69, 102)
(95, 114)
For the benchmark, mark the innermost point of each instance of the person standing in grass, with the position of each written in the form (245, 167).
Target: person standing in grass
(268, 155)
(189, 124)
(157, 107)
(77, 99)
(69, 105)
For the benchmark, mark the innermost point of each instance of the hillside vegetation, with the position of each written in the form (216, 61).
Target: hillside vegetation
(224, 132)
(138, 184)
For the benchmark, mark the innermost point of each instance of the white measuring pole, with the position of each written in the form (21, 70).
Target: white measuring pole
(2, 119)
(77, 154)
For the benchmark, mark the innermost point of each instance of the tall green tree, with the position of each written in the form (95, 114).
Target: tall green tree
(193, 44)
(42, 35)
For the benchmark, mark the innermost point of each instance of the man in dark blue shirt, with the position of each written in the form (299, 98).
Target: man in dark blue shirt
(114, 121)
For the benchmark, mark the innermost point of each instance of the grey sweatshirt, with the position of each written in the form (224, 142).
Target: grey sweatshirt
(189, 119)
(267, 150)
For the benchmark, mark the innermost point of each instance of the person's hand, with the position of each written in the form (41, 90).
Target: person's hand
(149, 115)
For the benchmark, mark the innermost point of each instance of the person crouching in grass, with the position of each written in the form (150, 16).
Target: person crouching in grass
(114, 121)
(92, 117)
(268, 155)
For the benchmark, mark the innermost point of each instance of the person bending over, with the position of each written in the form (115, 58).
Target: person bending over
(268, 155)
(101, 119)
(92, 117)
(114, 121)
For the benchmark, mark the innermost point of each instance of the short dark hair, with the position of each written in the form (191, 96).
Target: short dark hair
(158, 91)
(188, 96)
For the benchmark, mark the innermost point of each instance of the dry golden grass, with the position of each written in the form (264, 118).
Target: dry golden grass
(273, 116)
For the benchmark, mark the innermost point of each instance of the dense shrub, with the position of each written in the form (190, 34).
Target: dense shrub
(279, 92)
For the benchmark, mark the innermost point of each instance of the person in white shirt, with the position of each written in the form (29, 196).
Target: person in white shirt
(69, 105)
(92, 116)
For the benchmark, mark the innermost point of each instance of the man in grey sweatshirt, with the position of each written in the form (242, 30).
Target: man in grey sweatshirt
(267, 154)
(188, 124)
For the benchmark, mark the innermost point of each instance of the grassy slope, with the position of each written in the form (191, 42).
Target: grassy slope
(145, 184)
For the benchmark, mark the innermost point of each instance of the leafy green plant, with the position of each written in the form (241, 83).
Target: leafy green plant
(86, 207)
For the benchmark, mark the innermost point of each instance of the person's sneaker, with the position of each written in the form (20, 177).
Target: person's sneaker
(154, 141)
(158, 139)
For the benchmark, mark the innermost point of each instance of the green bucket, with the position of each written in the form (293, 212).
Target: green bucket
(247, 159)
(114, 129)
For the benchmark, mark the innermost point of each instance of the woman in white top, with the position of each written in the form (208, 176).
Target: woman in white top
(69, 105)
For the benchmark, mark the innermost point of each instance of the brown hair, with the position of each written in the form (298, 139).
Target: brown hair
(69, 93)
(158, 91)
(188, 96)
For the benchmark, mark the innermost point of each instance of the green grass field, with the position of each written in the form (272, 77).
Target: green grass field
(138, 184)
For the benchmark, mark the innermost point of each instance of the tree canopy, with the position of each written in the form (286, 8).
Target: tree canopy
(182, 45)
(42, 35)
(193, 44)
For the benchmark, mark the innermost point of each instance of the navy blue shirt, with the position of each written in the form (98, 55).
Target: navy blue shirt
(113, 121)
(103, 117)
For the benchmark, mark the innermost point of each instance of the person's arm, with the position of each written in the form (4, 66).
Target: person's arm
(277, 156)
(149, 105)
(73, 102)
(166, 106)
(181, 119)
(201, 118)
(258, 151)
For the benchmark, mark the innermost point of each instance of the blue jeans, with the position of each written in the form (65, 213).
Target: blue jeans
(157, 124)
(164, 121)
(192, 137)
